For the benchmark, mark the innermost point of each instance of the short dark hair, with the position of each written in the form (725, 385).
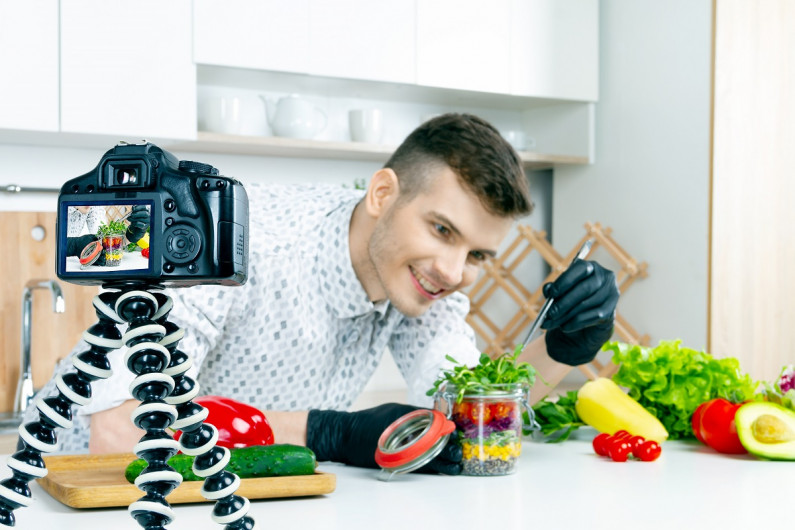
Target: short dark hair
(470, 146)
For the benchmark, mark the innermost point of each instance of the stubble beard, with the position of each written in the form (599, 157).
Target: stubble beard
(379, 249)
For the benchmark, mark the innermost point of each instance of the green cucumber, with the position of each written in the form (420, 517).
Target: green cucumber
(276, 460)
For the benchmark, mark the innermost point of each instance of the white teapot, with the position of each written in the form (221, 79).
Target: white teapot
(294, 117)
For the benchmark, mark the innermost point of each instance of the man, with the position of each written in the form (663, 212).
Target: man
(336, 277)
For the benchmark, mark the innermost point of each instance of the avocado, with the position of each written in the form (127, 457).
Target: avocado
(767, 430)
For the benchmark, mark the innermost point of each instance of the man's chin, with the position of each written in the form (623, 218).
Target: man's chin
(412, 310)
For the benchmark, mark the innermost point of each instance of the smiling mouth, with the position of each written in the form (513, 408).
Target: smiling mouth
(427, 286)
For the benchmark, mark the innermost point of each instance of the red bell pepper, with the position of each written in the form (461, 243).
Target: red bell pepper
(713, 424)
(238, 424)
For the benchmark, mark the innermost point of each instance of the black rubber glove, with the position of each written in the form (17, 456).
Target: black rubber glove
(581, 318)
(352, 438)
(139, 222)
(75, 246)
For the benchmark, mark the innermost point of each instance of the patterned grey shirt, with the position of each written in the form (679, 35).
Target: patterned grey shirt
(301, 333)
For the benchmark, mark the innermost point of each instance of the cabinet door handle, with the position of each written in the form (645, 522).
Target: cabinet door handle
(14, 188)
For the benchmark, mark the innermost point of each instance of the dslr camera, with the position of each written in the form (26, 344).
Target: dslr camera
(142, 215)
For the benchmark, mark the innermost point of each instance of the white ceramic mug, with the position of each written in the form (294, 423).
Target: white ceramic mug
(223, 114)
(366, 125)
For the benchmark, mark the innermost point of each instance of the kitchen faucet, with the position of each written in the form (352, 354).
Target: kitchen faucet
(25, 391)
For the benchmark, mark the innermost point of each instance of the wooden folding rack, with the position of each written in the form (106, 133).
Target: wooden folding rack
(500, 278)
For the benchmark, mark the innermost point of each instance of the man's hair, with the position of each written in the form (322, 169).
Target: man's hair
(484, 161)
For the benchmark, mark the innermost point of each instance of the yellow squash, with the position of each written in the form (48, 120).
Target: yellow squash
(605, 407)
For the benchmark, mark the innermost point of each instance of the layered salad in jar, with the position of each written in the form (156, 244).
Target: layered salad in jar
(485, 402)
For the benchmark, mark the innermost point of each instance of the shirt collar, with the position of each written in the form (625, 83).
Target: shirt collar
(339, 285)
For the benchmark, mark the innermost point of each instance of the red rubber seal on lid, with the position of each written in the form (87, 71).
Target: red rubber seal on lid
(434, 424)
(90, 253)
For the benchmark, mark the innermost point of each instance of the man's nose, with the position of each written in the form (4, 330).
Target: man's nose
(451, 268)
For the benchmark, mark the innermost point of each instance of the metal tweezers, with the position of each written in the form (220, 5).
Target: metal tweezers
(542, 315)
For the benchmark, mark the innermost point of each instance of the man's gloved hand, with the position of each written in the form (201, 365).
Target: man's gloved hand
(580, 319)
(352, 437)
(139, 222)
(75, 246)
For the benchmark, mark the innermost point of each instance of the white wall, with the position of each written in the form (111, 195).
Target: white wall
(650, 182)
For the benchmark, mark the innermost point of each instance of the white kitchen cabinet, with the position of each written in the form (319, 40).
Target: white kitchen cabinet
(362, 39)
(29, 65)
(555, 49)
(258, 34)
(464, 44)
(127, 68)
(355, 39)
(537, 48)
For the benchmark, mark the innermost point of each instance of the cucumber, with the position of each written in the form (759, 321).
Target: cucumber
(276, 460)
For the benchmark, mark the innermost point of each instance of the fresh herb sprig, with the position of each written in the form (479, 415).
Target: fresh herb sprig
(557, 417)
(483, 377)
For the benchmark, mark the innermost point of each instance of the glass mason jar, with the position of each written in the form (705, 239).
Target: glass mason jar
(489, 425)
(113, 246)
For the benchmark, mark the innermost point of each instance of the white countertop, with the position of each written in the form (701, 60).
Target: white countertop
(565, 485)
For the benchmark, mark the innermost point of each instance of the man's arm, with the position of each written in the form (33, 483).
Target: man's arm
(112, 430)
(347, 437)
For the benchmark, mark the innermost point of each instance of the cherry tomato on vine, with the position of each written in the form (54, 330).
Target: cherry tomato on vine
(621, 434)
(647, 451)
(600, 444)
(619, 450)
(635, 441)
(145, 252)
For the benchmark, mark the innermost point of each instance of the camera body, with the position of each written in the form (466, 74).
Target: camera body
(197, 222)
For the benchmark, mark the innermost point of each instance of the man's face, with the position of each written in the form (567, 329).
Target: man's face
(433, 245)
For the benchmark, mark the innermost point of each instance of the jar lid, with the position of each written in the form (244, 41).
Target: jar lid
(412, 441)
(90, 254)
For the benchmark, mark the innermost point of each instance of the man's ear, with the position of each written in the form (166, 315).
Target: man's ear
(382, 192)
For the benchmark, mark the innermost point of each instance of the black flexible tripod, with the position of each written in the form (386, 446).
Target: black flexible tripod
(166, 395)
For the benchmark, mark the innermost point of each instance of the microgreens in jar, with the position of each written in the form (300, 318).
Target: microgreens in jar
(486, 375)
(114, 227)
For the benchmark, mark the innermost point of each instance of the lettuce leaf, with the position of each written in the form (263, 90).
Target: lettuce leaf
(783, 390)
(670, 381)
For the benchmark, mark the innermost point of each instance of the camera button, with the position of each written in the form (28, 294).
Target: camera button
(182, 243)
(169, 205)
(221, 184)
(168, 267)
(169, 221)
(193, 268)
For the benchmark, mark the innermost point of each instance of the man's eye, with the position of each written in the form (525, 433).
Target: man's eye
(442, 229)
(477, 255)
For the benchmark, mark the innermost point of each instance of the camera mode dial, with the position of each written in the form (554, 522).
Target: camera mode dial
(197, 167)
(182, 243)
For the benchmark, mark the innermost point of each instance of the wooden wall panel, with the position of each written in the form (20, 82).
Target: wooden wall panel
(752, 291)
(53, 334)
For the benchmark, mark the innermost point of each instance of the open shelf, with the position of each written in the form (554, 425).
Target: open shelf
(207, 142)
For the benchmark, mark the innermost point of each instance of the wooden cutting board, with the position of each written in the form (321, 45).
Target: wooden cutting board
(97, 481)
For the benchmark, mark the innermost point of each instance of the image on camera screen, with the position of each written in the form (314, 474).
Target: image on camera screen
(103, 238)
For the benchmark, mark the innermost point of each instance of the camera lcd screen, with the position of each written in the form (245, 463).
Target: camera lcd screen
(107, 237)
